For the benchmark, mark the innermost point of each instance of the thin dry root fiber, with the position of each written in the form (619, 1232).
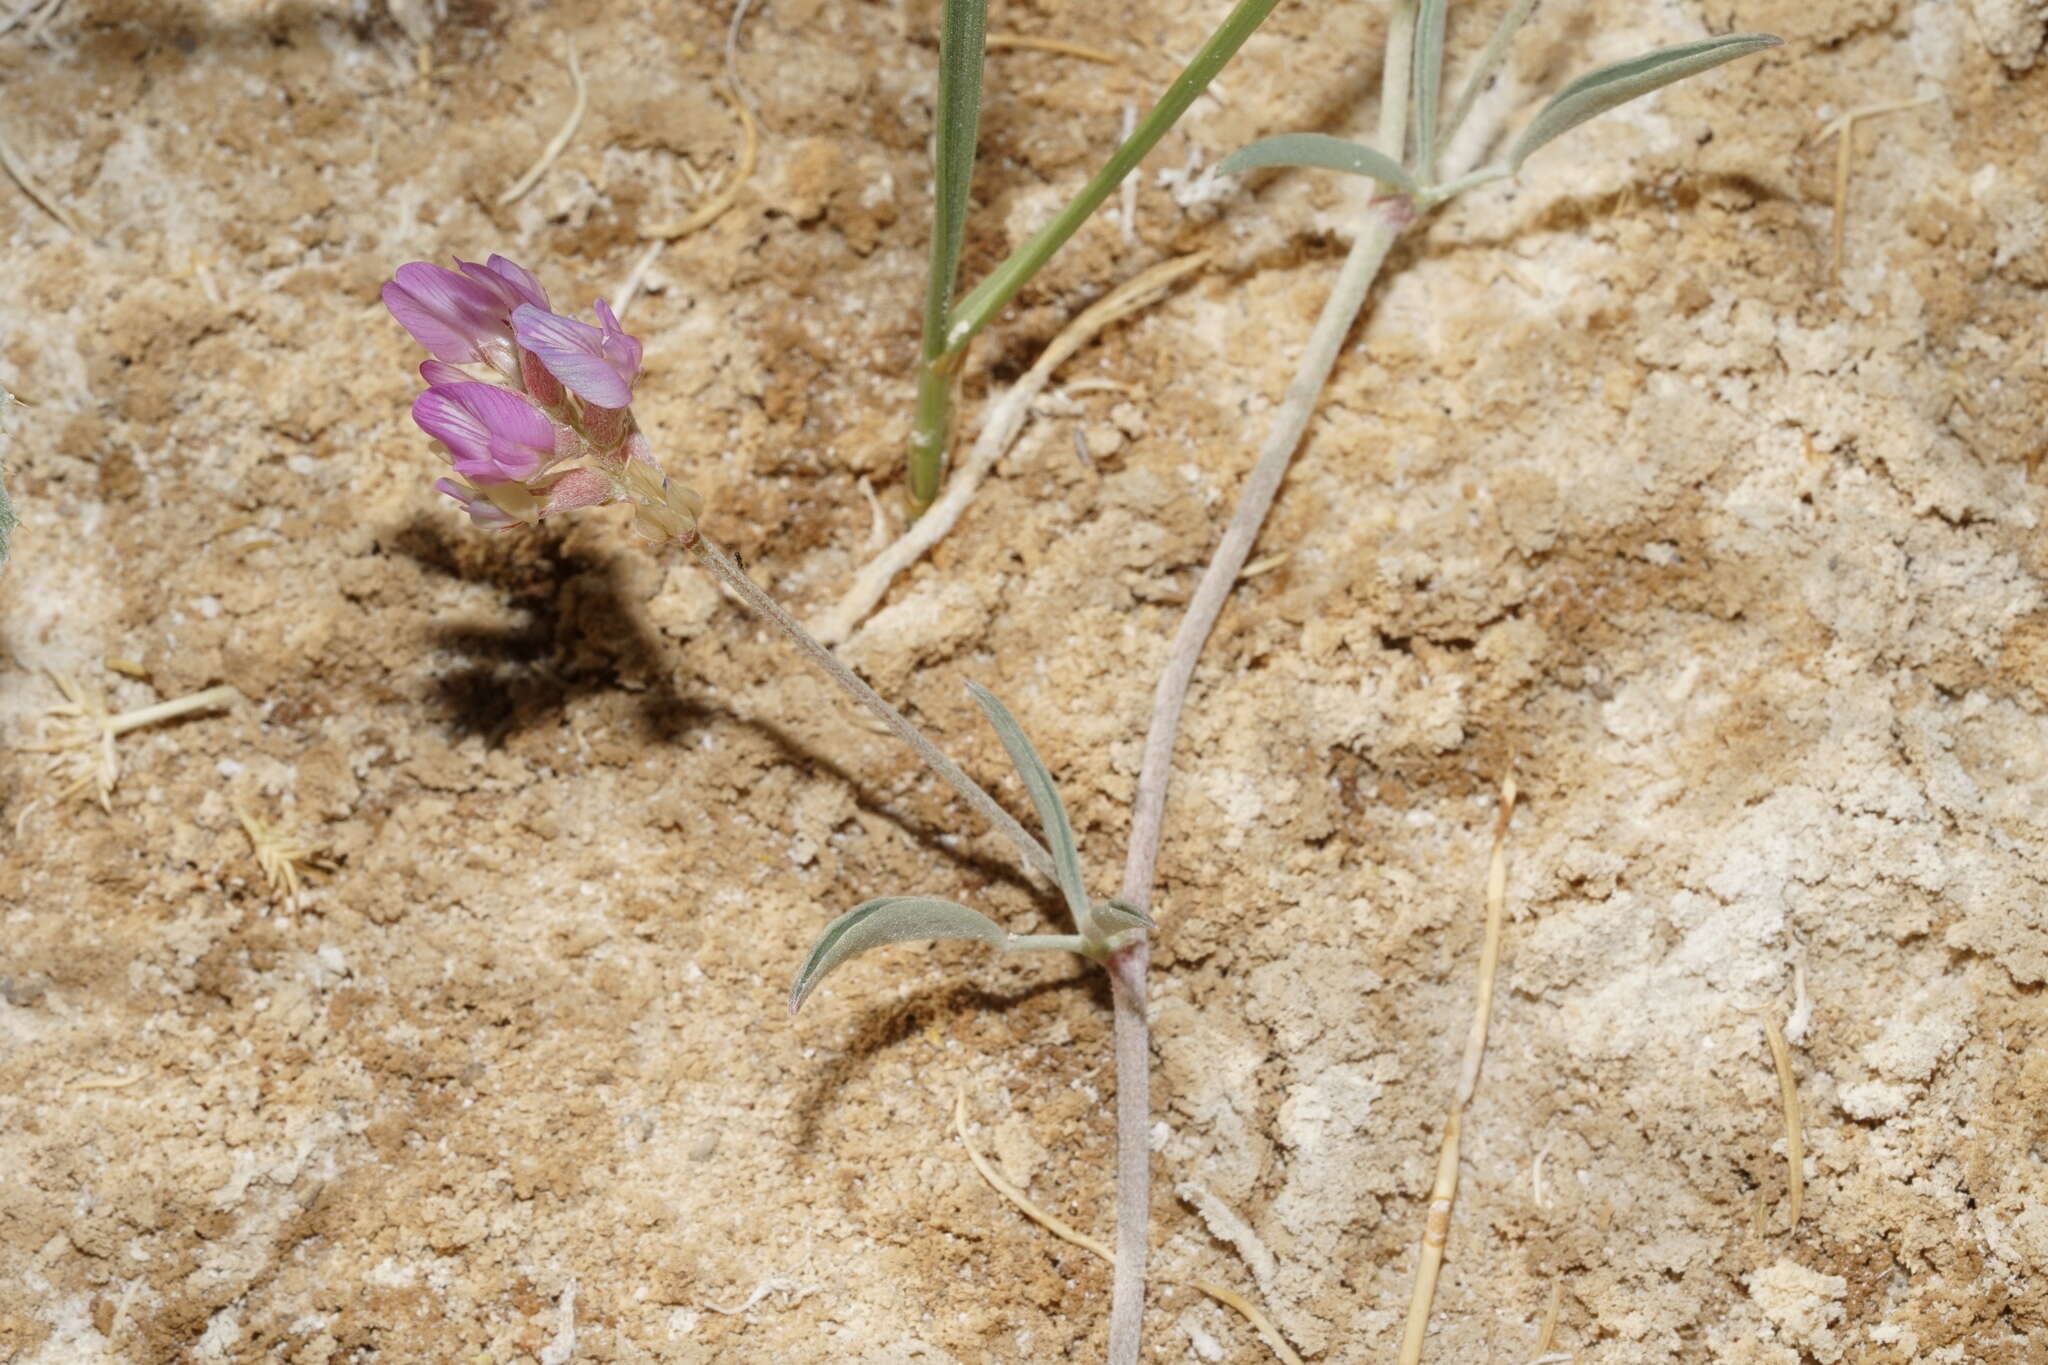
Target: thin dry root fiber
(43, 199)
(560, 141)
(708, 212)
(1443, 1194)
(1795, 1130)
(1005, 418)
(1229, 1298)
(997, 42)
(1845, 128)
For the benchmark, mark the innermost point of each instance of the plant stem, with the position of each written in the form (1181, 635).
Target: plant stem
(985, 300)
(1451, 189)
(1046, 943)
(723, 567)
(1128, 966)
(1396, 73)
(1340, 310)
(1490, 59)
(963, 38)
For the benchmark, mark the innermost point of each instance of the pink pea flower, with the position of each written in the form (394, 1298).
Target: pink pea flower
(492, 434)
(597, 364)
(458, 319)
(515, 284)
(523, 449)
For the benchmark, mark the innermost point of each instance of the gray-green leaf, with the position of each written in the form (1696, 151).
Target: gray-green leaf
(1598, 91)
(1045, 798)
(892, 919)
(1115, 916)
(1323, 152)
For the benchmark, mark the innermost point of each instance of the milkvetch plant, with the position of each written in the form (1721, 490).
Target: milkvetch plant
(533, 410)
(534, 413)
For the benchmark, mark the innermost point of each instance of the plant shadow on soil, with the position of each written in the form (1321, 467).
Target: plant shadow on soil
(888, 1025)
(583, 637)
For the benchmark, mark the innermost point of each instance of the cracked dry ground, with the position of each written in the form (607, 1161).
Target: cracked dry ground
(1737, 565)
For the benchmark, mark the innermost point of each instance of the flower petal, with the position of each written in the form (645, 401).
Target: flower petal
(576, 353)
(493, 436)
(441, 372)
(521, 279)
(512, 285)
(622, 350)
(453, 317)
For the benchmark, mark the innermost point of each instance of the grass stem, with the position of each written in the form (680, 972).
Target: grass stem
(975, 311)
(963, 41)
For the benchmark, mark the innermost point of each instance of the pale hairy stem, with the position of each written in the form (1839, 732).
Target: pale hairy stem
(1128, 967)
(727, 571)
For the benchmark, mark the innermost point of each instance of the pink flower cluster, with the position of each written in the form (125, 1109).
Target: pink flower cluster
(556, 430)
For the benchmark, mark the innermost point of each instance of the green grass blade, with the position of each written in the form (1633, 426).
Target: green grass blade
(963, 39)
(1045, 797)
(1596, 92)
(986, 299)
(1323, 152)
(891, 919)
(1429, 79)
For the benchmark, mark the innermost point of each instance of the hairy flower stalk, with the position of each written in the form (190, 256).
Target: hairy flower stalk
(550, 429)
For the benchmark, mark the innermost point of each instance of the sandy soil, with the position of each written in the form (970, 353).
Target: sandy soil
(1739, 567)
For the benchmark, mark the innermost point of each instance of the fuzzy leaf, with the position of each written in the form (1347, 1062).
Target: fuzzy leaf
(1115, 916)
(1323, 152)
(1045, 798)
(892, 919)
(1596, 92)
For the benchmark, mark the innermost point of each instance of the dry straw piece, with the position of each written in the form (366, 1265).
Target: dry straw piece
(1057, 46)
(1844, 127)
(1443, 1194)
(81, 742)
(43, 199)
(706, 214)
(999, 428)
(282, 857)
(560, 142)
(1795, 1128)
